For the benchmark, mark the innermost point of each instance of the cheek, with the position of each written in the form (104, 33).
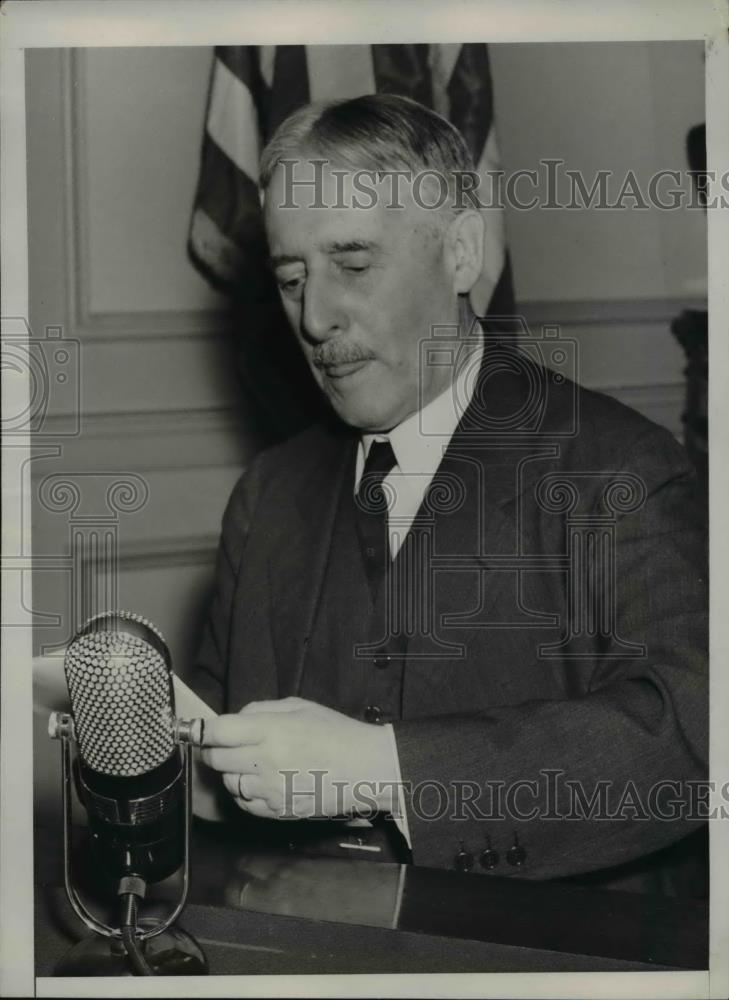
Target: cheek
(393, 313)
(414, 311)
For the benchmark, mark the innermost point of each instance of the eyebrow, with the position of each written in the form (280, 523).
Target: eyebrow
(336, 246)
(284, 258)
(350, 246)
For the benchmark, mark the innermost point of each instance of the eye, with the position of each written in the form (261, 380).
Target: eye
(291, 284)
(353, 263)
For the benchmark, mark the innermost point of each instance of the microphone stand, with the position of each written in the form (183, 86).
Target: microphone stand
(138, 946)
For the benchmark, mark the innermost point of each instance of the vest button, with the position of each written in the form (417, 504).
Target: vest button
(382, 662)
(373, 714)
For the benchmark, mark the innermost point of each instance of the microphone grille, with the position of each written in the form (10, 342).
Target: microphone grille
(118, 675)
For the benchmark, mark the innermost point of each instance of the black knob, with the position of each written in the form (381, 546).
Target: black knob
(463, 861)
(516, 855)
(373, 713)
(489, 858)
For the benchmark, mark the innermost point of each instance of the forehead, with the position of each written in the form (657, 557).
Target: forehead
(312, 205)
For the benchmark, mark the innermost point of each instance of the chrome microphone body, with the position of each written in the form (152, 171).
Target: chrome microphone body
(129, 768)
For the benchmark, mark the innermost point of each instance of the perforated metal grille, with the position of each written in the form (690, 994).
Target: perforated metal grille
(120, 694)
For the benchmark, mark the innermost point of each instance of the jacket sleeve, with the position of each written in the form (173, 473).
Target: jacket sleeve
(592, 781)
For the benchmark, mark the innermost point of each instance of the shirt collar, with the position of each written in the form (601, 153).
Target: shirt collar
(421, 439)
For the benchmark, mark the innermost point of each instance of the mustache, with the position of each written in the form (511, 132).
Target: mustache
(328, 355)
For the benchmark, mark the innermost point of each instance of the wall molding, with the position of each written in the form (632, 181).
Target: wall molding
(154, 441)
(94, 326)
(599, 312)
(148, 326)
(162, 553)
(210, 420)
(669, 392)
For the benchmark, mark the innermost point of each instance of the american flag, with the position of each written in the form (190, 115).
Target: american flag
(254, 88)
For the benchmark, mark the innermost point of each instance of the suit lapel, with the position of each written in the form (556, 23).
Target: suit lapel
(460, 524)
(469, 513)
(297, 574)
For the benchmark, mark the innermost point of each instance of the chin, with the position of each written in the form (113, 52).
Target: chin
(362, 418)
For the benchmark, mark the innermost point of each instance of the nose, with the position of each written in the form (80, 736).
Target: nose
(322, 315)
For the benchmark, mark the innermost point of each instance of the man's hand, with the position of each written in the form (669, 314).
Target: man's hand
(294, 759)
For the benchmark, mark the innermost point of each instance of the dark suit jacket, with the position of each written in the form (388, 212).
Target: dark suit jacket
(570, 582)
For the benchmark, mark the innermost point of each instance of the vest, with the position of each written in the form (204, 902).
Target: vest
(355, 659)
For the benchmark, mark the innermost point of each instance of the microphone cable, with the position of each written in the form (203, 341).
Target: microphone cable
(131, 889)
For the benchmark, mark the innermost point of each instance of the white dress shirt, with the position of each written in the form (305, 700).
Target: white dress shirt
(418, 443)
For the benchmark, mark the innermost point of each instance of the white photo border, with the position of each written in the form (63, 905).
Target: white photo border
(83, 23)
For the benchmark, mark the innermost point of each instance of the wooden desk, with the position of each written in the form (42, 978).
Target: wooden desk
(276, 912)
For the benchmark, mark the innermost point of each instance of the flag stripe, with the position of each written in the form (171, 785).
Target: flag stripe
(290, 86)
(215, 254)
(471, 104)
(403, 69)
(230, 202)
(241, 61)
(229, 196)
(442, 59)
(471, 111)
(266, 62)
(233, 120)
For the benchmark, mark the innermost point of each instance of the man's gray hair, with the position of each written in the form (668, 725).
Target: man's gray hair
(379, 132)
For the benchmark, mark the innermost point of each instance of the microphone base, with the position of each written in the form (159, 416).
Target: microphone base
(174, 952)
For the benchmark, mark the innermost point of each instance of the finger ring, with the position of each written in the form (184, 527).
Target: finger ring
(241, 793)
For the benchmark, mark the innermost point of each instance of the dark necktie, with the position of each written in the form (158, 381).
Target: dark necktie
(372, 506)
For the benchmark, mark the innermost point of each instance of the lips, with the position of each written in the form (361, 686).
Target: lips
(343, 369)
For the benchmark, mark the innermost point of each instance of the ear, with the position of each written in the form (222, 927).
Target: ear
(464, 240)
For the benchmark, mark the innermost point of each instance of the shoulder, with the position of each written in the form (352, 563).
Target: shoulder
(612, 434)
(294, 458)
(535, 426)
(531, 401)
(276, 473)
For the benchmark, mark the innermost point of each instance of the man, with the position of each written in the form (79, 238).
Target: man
(476, 600)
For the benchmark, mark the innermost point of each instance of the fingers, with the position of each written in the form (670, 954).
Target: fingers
(234, 731)
(240, 760)
(277, 705)
(249, 726)
(244, 786)
(250, 795)
(258, 807)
